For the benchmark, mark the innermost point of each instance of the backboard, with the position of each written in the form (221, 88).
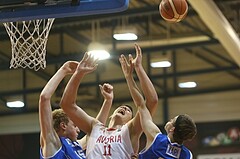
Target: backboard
(24, 10)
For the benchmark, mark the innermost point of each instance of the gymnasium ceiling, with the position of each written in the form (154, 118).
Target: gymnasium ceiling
(196, 55)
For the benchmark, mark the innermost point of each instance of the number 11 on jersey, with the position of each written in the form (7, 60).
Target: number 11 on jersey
(107, 150)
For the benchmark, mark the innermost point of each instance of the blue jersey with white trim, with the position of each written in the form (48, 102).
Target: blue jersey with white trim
(162, 148)
(69, 150)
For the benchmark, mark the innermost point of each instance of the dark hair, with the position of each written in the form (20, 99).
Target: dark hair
(185, 129)
(58, 117)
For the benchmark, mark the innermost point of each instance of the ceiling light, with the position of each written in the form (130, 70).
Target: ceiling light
(125, 33)
(98, 51)
(164, 63)
(15, 104)
(125, 36)
(187, 85)
(100, 54)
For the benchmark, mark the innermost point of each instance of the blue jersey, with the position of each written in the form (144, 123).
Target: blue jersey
(69, 150)
(163, 148)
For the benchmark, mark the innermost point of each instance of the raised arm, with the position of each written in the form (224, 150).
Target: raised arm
(68, 101)
(49, 140)
(147, 87)
(149, 128)
(134, 125)
(107, 92)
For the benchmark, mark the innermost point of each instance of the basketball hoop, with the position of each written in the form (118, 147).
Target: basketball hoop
(28, 42)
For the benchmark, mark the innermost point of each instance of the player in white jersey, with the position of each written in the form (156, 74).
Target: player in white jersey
(120, 140)
(59, 134)
(160, 146)
(109, 143)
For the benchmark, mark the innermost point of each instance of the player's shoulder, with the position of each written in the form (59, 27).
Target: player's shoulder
(187, 153)
(98, 125)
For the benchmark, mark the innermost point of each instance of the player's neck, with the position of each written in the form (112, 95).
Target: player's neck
(115, 123)
(171, 138)
(61, 134)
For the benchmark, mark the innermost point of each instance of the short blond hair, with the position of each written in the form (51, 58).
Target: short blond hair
(59, 116)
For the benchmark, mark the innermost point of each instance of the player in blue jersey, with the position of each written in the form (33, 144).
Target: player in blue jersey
(158, 145)
(58, 138)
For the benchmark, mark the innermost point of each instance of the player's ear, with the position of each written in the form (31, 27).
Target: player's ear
(63, 125)
(172, 129)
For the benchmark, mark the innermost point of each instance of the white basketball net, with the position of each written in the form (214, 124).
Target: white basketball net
(28, 41)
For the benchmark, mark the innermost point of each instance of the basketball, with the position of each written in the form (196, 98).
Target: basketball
(173, 10)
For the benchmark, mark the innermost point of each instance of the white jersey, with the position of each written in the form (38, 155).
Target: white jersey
(109, 143)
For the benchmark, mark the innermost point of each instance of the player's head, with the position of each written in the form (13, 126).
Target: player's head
(130, 107)
(182, 128)
(124, 111)
(63, 125)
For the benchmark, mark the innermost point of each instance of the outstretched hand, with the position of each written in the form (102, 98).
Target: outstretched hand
(106, 90)
(137, 61)
(127, 66)
(70, 66)
(88, 64)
